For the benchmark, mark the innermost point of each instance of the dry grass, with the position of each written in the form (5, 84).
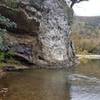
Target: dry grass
(86, 44)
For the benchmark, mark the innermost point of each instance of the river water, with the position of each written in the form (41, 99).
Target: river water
(79, 83)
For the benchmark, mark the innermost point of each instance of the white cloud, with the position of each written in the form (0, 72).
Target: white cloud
(87, 8)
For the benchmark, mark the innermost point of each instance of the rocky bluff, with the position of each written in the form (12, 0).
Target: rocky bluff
(42, 32)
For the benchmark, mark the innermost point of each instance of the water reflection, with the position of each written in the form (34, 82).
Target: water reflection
(38, 85)
(85, 81)
(84, 87)
(81, 83)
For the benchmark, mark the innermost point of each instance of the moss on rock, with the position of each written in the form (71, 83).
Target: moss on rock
(11, 3)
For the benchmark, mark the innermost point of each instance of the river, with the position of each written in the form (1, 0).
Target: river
(79, 83)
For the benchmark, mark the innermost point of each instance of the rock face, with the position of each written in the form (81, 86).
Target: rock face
(54, 31)
(21, 18)
(50, 21)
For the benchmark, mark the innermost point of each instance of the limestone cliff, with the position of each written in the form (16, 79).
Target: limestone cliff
(42, 32)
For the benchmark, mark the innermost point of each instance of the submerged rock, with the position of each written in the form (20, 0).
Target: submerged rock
(3, 92)
(2, 74)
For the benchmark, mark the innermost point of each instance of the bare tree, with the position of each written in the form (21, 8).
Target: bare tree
(76, 1)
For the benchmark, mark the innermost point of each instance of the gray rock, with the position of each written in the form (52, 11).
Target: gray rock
(54, 32)
(51, 20)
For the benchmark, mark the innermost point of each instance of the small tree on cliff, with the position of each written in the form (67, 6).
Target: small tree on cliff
(76, 1)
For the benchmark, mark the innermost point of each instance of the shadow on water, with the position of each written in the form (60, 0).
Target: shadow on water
(81, 83)
(37, 85)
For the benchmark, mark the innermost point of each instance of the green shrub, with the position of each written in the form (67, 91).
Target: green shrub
(9, 54)
(2, 56)
(2, 32)
(5, 21)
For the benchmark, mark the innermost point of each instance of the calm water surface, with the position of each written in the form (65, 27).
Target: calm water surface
(79, 83)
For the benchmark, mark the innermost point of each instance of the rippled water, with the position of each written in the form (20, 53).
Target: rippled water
(80, 83)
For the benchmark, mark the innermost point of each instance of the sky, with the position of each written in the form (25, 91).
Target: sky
(87, 8)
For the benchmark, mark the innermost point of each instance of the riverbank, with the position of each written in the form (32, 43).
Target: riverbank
(21, 67)
(88, 56)
(4, 68)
